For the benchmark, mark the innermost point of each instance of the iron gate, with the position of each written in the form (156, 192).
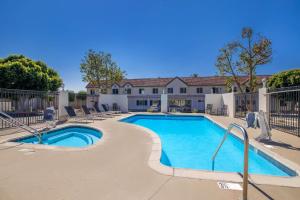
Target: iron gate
(245, 102)
(26, 105)
(285, 109)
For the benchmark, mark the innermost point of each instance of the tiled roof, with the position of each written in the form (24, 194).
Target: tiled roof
(190, 81)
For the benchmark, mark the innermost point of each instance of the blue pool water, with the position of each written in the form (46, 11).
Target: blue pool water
(73, 136)
(189, 142)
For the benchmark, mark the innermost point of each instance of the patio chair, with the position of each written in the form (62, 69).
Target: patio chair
(73, 116)
(209, 109)
(103, 114)
(86, 110)
(106, 109)
(154, 108)
(49, 117)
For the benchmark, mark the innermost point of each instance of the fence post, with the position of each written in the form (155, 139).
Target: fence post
(263, 98)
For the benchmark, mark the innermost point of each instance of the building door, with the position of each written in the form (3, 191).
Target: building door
(201, 104)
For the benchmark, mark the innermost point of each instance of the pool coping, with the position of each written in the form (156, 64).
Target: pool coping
(9, 143)
(155, 164)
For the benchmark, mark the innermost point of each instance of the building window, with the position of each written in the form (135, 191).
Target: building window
(141, 91)
(215, 90)
(141, 102)
(235, 89)
(199, 90)
(155, 90)
(128, 91)
(182, 90)
(170, 90)
(115, 91)
(92, 92)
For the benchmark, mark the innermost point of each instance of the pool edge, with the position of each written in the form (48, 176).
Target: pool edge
(155, 164)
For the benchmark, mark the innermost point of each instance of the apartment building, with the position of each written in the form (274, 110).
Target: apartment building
(186, 93)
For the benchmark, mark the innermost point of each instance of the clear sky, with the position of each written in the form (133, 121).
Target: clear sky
(155, 38)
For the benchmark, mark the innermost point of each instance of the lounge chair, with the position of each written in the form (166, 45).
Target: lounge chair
(103, 114)
(87, 112)
(72, 115)
(49, 117)
(154, 108)
(106, 109)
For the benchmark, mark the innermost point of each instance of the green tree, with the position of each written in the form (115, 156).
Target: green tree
(20, 72)
(243, 57)
(285, 79)
(100, 69)
(71, 96)
(81, 95)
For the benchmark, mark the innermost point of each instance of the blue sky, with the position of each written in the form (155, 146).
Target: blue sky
(157, 38)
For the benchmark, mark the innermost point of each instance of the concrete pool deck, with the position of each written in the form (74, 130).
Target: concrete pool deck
(118, 169)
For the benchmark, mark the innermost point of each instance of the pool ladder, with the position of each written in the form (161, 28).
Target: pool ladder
(246, 147)
(7, 118)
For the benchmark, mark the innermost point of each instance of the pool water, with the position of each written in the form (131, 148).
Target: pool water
(73, 136)
(190, 142)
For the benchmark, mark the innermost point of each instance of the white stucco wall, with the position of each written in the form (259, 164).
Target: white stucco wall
(228, 99)
(63, 100)
(214, 99)
(176, 84)
(120, 99)
(164, 103)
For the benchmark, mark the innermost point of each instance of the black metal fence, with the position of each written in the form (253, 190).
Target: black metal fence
(245, 102)
(285, 109)
(26, 105)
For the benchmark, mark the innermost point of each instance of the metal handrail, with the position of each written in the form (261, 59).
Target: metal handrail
(246, 147)
(21, 125)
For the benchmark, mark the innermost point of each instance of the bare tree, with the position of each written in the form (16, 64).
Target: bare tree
(243, 57)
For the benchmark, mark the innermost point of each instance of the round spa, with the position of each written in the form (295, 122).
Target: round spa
(70, 136)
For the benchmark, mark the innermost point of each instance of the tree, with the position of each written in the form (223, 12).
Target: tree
(20, 72)
(99, 68)
(285, 79)
(194, 75)
(81, 95)
(243, 57)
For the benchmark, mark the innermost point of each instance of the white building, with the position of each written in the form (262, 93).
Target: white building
(186, 93)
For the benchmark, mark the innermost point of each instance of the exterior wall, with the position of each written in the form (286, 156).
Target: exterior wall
(147, 91)
(63, 100)
(214, 99)
(132, 102)
(164, 103)
(206, 89)
(176, 84)
(197, 99)
(91, 100)
(228, 99)
(121, 100)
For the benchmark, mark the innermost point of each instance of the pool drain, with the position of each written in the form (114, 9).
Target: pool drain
(229, 186)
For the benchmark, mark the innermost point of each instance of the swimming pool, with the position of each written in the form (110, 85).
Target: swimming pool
(190, 141)
(71, 136)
